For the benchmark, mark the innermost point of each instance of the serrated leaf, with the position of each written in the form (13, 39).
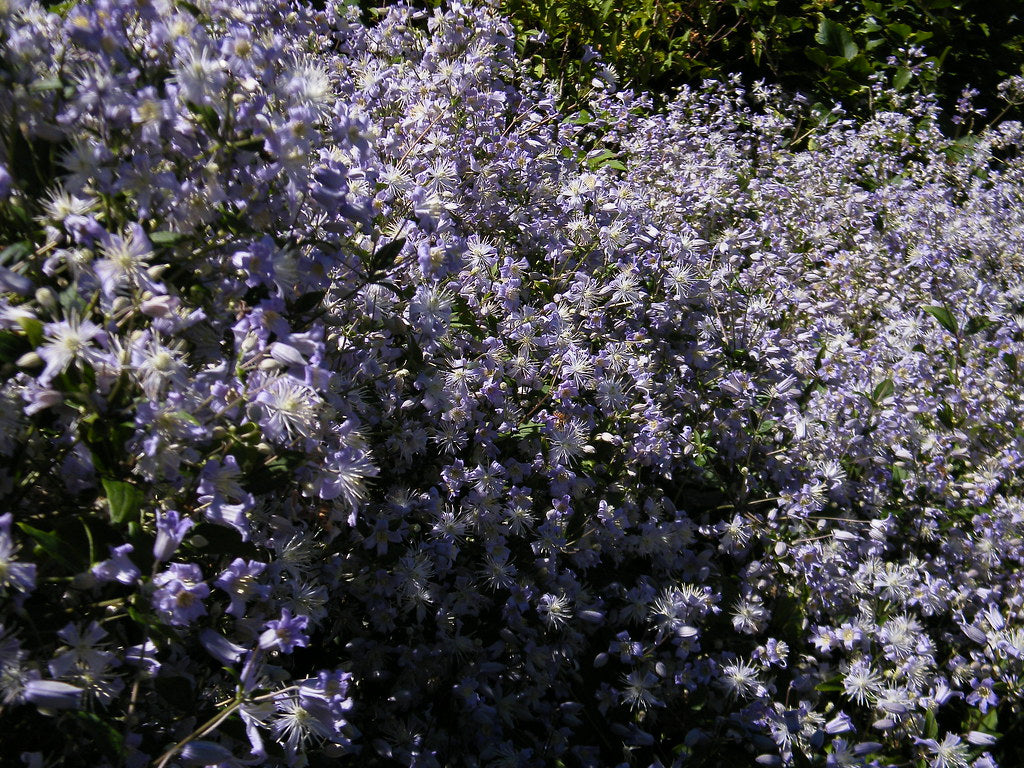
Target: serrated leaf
(945, 318)
(123, 499)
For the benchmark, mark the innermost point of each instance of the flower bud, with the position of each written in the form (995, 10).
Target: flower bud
(29, 360)
(53, 694)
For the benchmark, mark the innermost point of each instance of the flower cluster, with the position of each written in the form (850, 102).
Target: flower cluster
(360, 406)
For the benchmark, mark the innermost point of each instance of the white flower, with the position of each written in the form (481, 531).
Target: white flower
(66, 342)
(290, 409)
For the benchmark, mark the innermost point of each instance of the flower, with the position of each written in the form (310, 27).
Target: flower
(171, 529)
(951, 752)
(118, 568)
(179, 594)
(68, 341)
(286, 633)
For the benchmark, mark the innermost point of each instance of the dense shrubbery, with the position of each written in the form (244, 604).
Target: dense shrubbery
(829, 48)
(360, 406)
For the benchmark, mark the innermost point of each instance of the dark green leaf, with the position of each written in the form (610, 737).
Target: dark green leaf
(945, 318)
(836, 38)
(385, 256)
(253, 144)
(902, 31)
(123, 499)
(207, 115)
(977, 323)
(51, 544)
(100, 729)
(225, 541)
(13, 253)
(308, 302)
(12, 346)
(528, 429)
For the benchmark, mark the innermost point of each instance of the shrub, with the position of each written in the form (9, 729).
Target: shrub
(830, 49)
(361, 406)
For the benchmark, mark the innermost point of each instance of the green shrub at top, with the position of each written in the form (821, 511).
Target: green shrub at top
(829, 49)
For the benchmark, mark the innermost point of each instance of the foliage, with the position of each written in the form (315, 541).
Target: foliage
(828, 49)
(361, 407)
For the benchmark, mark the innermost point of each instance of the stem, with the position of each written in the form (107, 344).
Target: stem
(202, 730)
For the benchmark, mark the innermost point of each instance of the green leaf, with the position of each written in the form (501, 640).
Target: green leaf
(977, 323)
(902, 31)
(882, 391)
(50, 84)
(124, 500)
(830, 686)
(931, 725)
(15, 252)
(528, 429)
(100, 729)
(384, 257)
(207, 115)
(1010, 361)
(252, 144)
(12, 346)
(33, 330)
(901, 78)
(307, 302)
(818, 56)
(464, 318)
(62, 8)
(51, 544)
(837, 38)
(166, 238)
(945, 318)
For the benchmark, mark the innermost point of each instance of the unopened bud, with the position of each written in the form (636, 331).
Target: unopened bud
(159, 306)
(47, 299)
(29, 360)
